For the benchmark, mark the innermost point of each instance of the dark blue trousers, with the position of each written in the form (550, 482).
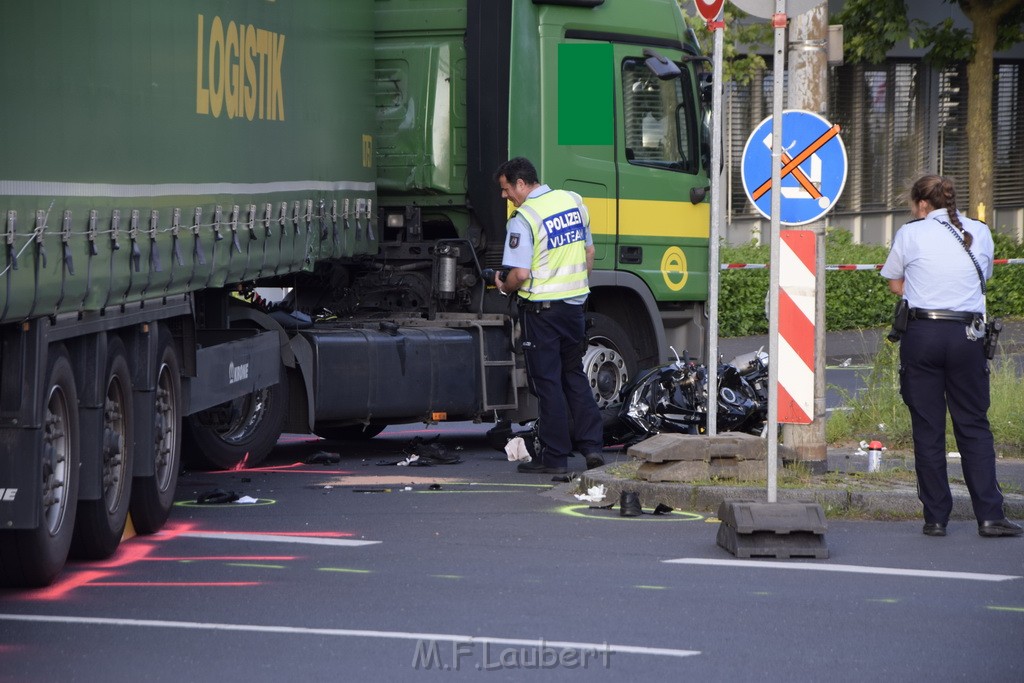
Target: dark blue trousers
(553, 342)
(941, 368)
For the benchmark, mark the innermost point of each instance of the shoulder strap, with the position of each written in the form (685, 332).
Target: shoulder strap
(963, 244)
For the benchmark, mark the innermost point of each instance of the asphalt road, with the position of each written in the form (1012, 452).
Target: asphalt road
(367, 571)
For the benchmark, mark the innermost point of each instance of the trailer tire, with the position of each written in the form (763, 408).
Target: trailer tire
(237, 433)
(356, 432)
(100, 523)
(34, 557)
(152, 496)
(609, 360)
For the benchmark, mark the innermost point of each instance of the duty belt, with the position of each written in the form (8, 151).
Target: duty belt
(538, 306)
(956, 316)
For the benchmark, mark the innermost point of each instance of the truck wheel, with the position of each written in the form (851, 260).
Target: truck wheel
(245, 429)
(153, 496)
(356, 432)
(34, 557)
(610, 359)
(100, 523)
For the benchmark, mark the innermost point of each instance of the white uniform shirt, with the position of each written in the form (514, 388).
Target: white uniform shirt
(936, 270)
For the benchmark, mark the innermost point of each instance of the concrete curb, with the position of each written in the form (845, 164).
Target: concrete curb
(900, 501)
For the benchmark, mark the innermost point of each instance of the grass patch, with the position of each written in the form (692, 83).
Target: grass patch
(878, 411)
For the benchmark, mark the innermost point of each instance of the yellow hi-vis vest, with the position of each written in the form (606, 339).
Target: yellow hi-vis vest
(559, 222)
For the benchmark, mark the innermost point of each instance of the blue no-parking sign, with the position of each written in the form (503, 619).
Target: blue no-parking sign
(813, 167)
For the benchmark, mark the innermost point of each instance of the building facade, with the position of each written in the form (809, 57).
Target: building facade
(900, 119)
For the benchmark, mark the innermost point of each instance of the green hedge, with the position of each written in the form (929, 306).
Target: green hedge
(853, 299)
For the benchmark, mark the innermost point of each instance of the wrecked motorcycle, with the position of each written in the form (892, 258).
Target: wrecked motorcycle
(673, 398)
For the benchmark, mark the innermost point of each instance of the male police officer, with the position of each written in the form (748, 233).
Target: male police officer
(549, 253)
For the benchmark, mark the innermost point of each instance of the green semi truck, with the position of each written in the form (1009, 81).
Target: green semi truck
(163, 164)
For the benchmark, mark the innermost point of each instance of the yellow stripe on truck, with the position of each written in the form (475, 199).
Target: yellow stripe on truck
(649, 218)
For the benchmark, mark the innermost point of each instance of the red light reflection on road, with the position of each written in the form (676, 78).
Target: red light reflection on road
(104, 574)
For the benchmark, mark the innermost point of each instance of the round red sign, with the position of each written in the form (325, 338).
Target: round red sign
(709, 9)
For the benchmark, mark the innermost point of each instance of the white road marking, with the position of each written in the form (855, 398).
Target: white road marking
(848, 568)
(276, 538)
(350, 633)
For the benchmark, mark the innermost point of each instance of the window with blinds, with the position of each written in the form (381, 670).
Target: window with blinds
(894, 130)
(1008, 129)
(881, 112)
(746, 106)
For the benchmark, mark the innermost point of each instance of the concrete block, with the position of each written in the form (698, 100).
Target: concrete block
(671, 447)
(768, 544)
(674, 447)
(720, 468)
(781, 530)
(780, 518)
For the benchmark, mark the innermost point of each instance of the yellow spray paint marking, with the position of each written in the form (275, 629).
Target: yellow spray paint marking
(582, 510)
(673, 268)
(1005, 609)
(344, 570)
(255, 566)
(652, 588)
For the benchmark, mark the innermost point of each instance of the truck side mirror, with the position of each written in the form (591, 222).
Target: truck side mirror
(705, 89)
(661, 66)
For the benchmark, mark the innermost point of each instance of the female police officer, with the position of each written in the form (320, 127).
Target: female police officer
(938, 263)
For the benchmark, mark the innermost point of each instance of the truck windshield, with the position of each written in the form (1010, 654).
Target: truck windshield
(659, 118)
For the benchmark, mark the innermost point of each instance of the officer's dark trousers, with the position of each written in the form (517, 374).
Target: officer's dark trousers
(940, 367)
(553, 342)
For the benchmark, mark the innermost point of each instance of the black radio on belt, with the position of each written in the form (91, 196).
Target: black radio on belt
(992, 330)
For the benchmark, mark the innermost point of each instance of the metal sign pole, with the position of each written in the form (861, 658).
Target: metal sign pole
(715, 176)
(778, 71)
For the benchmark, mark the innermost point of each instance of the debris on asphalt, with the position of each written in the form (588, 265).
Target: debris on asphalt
(324, 458)
(420, 453)
(246, 500)
(217, 497)
(595, 494)
(371, 490)
(662, 509)
(516, 450)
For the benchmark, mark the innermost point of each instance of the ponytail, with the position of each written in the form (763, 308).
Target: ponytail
(939, 192)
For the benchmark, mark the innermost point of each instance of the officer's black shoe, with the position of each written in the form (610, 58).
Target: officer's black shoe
(934, 529)
(594, 460)
(538, 467)
(999, 527)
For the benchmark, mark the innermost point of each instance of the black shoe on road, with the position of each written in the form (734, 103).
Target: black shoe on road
(999, 527)
(538, 467)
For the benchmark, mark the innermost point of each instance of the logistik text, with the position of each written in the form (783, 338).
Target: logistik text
(238, 71)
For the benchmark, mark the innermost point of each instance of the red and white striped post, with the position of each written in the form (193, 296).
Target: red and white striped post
(797, 282)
